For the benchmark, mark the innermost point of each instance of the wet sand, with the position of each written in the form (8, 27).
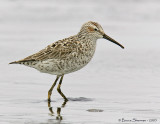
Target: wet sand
(117, 85)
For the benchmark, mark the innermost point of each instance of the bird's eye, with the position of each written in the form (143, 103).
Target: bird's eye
(95, 29)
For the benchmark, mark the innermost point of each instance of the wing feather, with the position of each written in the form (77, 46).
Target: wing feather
(58, 50)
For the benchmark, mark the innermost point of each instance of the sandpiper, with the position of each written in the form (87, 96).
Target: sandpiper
(67, 55)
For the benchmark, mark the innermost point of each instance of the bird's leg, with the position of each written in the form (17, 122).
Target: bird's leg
(50, 90)
(59, 89)
(64, 103)
(50, 108)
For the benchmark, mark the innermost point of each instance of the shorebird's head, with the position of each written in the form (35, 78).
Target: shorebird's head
(95, 30)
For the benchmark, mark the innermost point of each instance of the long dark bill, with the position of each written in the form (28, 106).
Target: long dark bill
(112, 40)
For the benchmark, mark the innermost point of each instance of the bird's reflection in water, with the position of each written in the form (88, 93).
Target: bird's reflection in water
(58, 114)
(58, 117)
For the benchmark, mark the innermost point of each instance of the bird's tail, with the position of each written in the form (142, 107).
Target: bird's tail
(21, 61)
(15, 62)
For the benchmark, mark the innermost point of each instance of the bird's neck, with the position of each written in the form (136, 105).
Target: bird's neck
(86, 37)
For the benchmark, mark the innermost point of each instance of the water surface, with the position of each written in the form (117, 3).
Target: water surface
(117, 84)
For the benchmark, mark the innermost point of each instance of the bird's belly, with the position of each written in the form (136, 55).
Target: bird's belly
(63, 66)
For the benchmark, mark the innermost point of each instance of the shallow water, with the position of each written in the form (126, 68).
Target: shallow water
(116, 85)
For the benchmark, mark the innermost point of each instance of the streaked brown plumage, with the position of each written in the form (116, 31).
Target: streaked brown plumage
(67, 55)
